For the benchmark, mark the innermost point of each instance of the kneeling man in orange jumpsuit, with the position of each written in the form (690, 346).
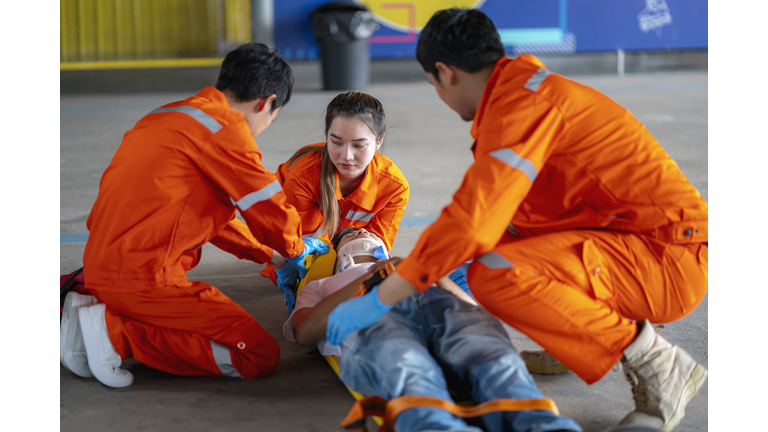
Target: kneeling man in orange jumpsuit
(174, 184)
(582, 229)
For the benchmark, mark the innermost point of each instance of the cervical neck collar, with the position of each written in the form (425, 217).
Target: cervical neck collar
(358, 247)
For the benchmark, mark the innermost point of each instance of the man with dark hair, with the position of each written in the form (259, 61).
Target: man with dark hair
(174, 184)
(248, 83)
(471, 28)
(582, 229)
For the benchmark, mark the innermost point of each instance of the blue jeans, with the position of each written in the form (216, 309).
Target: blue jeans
(433, 338)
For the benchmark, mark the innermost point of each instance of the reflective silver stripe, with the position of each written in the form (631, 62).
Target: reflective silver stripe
(511, 229)
(224, 360)
(209, 122)
(514, 160)
(262, 194)
(493, 260)
(535, 81)
(359, 216)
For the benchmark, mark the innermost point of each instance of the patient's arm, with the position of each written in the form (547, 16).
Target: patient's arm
(309, 324)
(447, 284)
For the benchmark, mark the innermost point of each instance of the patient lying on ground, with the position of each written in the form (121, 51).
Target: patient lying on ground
(424, 344)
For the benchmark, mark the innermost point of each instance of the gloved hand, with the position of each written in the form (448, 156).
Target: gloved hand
(287, 278)
(459, 277)
(310, 246)
(355, 314)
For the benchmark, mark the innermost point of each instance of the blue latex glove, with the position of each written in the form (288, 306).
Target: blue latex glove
(310, 246)
(355, 314)
(459, 277)
(287, 277)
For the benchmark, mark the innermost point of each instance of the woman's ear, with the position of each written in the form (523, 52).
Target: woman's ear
(378, 144)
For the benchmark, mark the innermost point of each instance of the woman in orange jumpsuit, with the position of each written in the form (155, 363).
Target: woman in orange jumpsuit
(344, 182)
(173, 185)
(582, 229)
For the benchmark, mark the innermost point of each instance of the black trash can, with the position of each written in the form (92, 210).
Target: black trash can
(342, 29)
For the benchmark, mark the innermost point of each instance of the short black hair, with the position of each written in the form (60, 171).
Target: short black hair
(464, 38)
(253, 71)
(337, 238)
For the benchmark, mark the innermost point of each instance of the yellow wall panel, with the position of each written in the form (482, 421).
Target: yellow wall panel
(114, 30)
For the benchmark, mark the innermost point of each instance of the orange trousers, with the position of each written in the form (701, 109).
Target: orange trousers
(578, 293)
(189, 329)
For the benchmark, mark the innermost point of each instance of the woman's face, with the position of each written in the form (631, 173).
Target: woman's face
(351, 146)
(354, 235)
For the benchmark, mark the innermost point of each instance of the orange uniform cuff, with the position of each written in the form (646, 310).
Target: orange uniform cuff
(416, 273)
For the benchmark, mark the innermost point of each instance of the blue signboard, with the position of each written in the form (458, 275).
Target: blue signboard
(533, 26)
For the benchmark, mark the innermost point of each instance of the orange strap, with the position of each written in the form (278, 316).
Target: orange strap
(377, 406)
(388, 270)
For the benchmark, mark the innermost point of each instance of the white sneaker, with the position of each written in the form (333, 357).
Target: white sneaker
(103, 360)
(664, 379)
(542, 362)
(71, 347)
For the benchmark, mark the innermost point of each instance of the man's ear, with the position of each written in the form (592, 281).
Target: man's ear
(446, 73)
(265, 103)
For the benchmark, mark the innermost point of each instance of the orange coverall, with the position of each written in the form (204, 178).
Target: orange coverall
(577, 219)
(172, 186)
(376, 205)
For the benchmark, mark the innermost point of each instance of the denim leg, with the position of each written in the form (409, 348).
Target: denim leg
(472, 346)
(390, 359)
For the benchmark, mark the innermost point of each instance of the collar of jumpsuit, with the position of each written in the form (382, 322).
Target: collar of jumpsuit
(500, 65)
(365, 194)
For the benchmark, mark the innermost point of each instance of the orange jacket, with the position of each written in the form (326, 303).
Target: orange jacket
(554, 155)
(377, 204)
(173, 185)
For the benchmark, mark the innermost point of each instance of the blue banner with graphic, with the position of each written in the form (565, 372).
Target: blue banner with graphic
(532, 26)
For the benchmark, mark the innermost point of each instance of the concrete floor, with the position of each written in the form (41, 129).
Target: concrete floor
(431, 145)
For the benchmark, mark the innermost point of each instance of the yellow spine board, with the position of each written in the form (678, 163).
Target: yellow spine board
(334, 362)
(319, 267)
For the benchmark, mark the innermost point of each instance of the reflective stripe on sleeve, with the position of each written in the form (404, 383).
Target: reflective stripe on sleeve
(535, 81)
(359, 216)
(204, 119)
(260, 195)
(509, 157)
(493, 260)
(224, 360)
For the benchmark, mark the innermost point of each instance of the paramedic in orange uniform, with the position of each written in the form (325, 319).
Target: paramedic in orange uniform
(360, 187)
(174, 183)
(582, 229)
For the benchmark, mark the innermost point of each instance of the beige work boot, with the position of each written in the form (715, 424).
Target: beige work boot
(542, 363)
(664, 379)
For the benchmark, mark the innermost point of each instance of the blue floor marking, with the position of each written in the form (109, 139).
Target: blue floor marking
(81, 238)
(73, 238)
(416, 221)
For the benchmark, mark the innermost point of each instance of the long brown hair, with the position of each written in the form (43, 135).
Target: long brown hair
(358, 105)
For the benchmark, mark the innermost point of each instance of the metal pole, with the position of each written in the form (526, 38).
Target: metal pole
(620, 61)
(263, 22)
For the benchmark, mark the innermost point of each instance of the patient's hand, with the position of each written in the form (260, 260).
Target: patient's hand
(382, 264)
